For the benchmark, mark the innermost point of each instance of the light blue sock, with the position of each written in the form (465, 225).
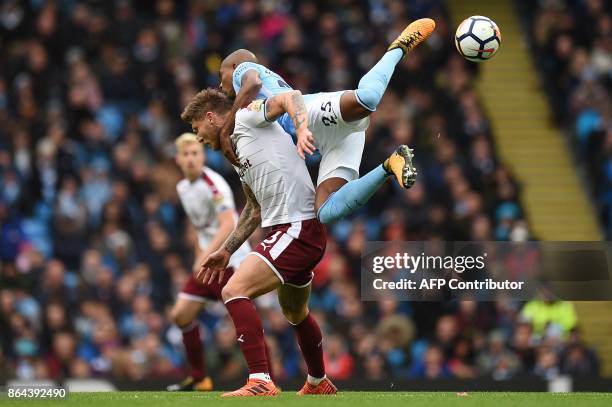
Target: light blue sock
(374, 83)
(352, 196)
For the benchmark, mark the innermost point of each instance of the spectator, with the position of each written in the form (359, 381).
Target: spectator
(573, 43)
(555, 316)
(432, 366)
(547, 366)
(524, 346)
(498, 361)
(338, 362)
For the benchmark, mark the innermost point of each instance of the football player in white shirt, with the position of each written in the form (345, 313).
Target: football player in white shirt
(209, 204)
(280, 195)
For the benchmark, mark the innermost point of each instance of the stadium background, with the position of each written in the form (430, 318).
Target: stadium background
(94, 244)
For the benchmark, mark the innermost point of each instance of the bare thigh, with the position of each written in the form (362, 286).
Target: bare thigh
(253, 278)
(350, 109)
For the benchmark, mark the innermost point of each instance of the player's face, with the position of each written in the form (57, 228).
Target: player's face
(225, 74)
(190, 158)
(207, 132)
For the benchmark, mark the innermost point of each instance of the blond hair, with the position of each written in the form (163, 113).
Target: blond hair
(184, 139)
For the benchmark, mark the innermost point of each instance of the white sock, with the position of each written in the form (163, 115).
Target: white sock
(261, 376)
(314, 380)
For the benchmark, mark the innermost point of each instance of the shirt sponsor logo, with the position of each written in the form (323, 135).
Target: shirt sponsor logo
(256, 106)
(244, 166)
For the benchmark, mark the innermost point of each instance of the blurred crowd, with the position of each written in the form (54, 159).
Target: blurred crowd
(572, 44)
(94, 244)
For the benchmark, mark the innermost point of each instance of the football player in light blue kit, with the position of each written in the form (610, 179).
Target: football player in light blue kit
(271, 84)
(338, 121)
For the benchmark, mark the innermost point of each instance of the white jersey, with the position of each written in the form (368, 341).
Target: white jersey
(203, 199)
(340, 143)
(271, 168)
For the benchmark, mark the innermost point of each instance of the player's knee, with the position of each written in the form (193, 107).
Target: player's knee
(226, 293)
(295, 313)
(180, 319)
(231, 291)
(368, 98)
(324, 215)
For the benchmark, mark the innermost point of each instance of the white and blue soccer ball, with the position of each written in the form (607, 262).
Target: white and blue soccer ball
(477, 38)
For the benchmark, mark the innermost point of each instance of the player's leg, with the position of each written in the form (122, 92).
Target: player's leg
(333, 205)
(325, 189)
(364, 100)
(354, 106)
(340, 191)
(184, 314)
(253, 278)
(294, 303)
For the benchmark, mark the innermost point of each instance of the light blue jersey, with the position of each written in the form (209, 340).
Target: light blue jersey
(271, 84)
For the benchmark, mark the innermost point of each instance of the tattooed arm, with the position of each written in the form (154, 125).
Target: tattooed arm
(293, 104)
(250, 218)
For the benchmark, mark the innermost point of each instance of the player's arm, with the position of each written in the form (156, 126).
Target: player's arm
(226, 226)
(250, 218)
(250, 85)
(293, 104)
(199, 255)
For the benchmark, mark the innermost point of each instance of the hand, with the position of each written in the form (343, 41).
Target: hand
(214, 265)
(226, 142)
(305, 143)
(197, 263)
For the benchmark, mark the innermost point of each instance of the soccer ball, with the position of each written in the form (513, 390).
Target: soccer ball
(477, 38)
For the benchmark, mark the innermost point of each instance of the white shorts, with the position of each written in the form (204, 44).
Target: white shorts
(340, 143)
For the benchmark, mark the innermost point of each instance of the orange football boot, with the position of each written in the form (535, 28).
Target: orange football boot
(190, 384)
(326, 387)
(413, 35)
(254, 387)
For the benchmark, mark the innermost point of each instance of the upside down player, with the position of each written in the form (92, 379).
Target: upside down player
(209, 204)
(338, 121)
(280, 195)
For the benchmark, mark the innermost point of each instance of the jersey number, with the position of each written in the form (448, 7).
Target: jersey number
(283, 84)
(329, 117)
(271, 240)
